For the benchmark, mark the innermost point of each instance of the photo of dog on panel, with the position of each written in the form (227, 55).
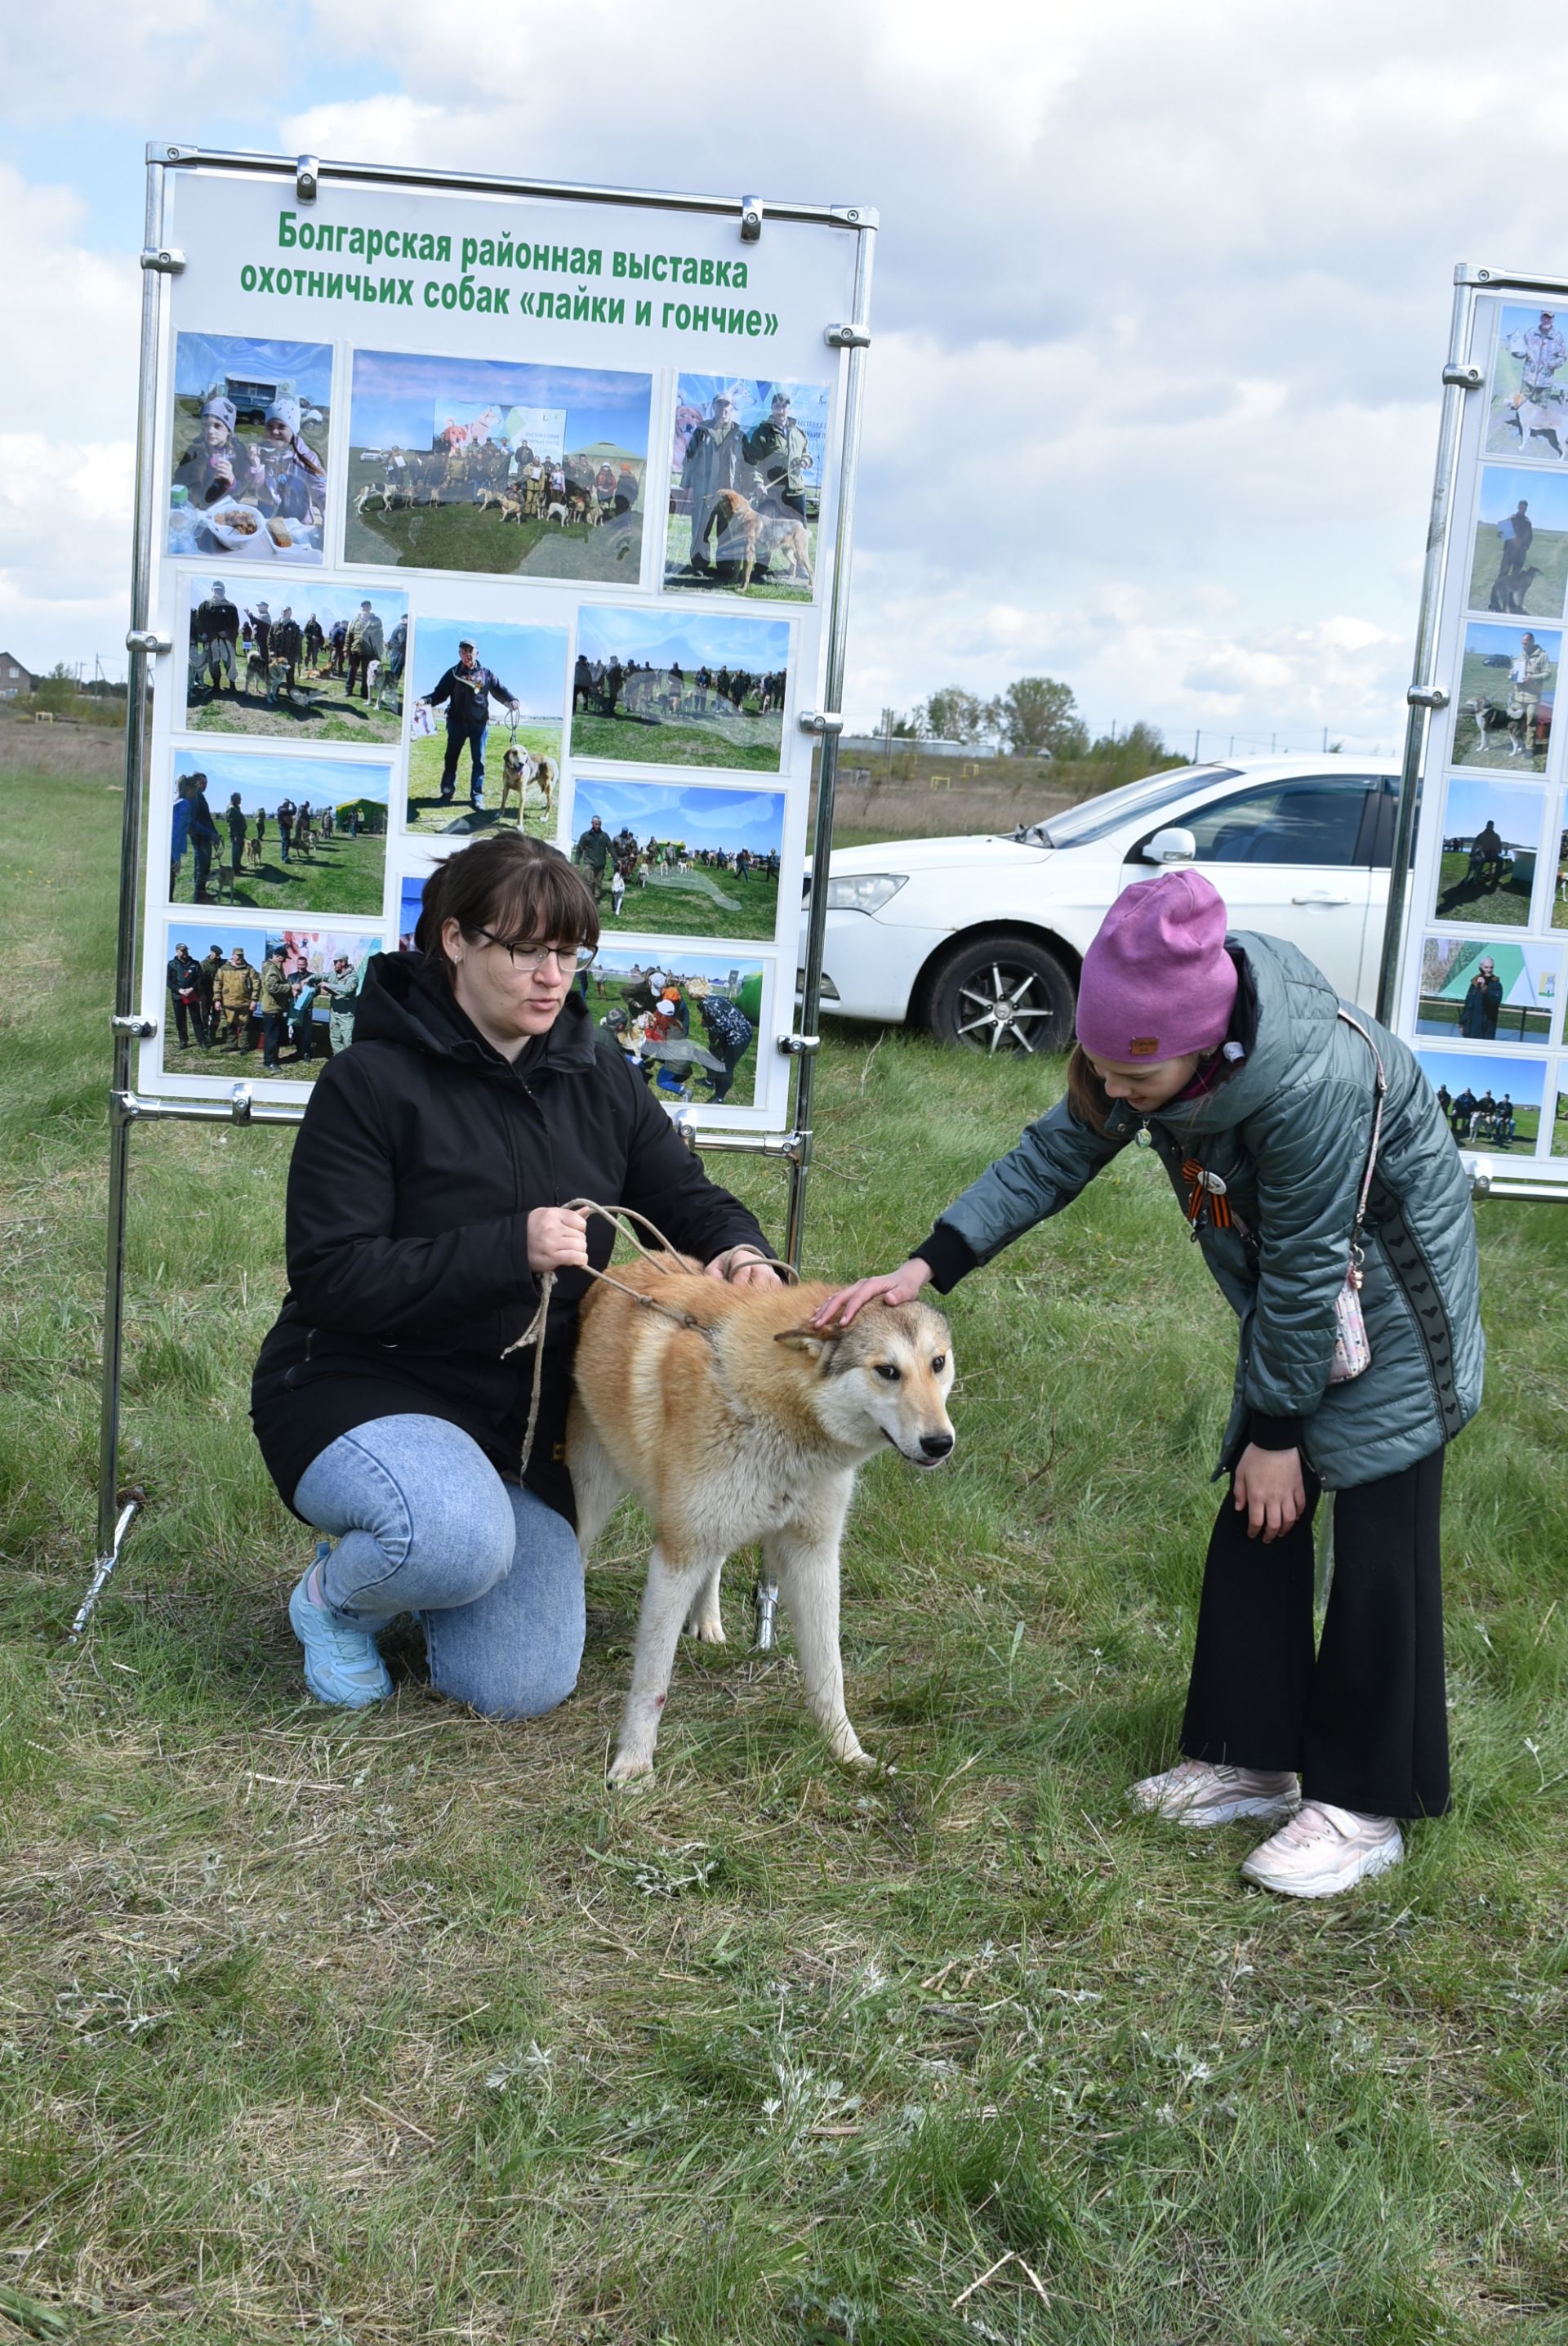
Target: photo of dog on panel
(1508, 688)
(746, 486)
(304, 662)
(733, 1420)
(1520, 560)
(469, 676)
(496, 466)
(1528, 410)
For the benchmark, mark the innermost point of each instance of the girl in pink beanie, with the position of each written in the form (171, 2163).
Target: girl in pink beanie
(1300, 1138)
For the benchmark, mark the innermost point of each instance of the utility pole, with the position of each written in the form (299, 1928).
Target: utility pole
(1196, 744)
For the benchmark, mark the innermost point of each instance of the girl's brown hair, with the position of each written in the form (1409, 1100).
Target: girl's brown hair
(1087, 1094)
(1091, 1102)
(520, 890)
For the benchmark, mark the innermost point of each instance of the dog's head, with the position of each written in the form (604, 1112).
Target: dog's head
(884, 1379)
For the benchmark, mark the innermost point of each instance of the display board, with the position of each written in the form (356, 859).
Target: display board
(1480, 993)
(470, 509)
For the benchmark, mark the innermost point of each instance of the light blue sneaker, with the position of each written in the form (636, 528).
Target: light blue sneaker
(343, 1662)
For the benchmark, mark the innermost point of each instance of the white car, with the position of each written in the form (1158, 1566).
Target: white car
(980, 939)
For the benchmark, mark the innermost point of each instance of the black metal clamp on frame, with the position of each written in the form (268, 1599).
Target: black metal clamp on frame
(118, 1505)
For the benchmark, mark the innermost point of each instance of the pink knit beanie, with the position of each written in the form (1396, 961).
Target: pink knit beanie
(1157, 981)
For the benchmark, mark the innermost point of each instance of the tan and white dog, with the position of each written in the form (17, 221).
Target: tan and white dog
(749, 1425)
(518, 768)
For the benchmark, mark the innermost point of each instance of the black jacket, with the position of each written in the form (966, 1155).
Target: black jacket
(420, 1157)
(469, 693)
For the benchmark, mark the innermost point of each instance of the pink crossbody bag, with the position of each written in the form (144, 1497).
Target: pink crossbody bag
(1352, 1353)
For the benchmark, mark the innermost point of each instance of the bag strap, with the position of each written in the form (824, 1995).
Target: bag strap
(1382, 1086)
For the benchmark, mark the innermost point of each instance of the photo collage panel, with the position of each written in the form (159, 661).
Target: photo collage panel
(384, 566)
(1483, 969)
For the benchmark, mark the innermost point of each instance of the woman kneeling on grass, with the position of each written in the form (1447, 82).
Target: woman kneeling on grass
(1230, 1056)
(425, 1203)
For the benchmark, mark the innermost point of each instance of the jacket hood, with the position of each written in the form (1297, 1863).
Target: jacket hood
(400, 1003)
(1286, 1012)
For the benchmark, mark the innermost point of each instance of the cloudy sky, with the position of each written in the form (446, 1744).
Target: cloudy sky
(1161, 293)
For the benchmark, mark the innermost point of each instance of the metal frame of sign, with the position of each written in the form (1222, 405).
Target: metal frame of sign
(303, 177)
(1448, 616)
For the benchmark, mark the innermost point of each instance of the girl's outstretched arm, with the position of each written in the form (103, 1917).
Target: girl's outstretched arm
(901, 1286)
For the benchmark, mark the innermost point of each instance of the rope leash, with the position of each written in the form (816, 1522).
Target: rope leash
(620, 1218)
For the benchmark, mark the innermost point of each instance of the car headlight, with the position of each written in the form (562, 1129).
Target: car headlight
(867, 892)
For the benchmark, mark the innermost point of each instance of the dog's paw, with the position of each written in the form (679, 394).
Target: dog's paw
(629, 1767)
(706, 1628)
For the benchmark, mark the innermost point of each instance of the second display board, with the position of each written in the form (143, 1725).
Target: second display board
(1481, 994)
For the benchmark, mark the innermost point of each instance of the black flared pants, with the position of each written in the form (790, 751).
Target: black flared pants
(1364, 1721)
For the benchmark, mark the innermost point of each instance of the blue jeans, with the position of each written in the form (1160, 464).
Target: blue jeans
(425, 1524)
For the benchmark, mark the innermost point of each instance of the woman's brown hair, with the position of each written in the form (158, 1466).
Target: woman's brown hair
(520, 890)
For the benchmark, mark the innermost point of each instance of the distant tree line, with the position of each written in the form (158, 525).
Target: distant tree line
(1036, 717)
(62, 694)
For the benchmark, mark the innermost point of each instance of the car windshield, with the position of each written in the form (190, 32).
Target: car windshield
(1078, 826)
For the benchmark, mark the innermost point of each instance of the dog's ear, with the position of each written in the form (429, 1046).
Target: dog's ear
(814, 1341)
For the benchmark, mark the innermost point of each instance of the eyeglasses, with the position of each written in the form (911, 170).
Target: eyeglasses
(571, 958)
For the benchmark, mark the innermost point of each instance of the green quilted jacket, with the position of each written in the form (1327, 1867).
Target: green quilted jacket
(1287, 1134)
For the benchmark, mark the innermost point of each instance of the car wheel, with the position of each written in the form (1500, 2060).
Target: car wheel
(1002, 994)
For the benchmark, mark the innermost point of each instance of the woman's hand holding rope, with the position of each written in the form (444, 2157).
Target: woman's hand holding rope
(557, 1239)
(743, 1265)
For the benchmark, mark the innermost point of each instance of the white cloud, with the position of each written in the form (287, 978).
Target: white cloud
(127, 61)
(71, 318)
(1162, 294)
(65, 528)
(66, 445)
(1160, 307)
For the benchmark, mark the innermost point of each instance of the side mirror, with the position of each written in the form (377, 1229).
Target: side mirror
(1173, 846)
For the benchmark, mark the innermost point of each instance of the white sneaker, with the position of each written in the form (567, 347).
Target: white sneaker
(1195, 1792)
(1325, 1850)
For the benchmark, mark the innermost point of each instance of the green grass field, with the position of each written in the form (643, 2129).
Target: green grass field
(395, 2028)
(749, 742)
(773, 586)
(318, 711)
(1459, 898)
(698, 904)
(607, 993)
(1471, 747)
(1548, 555)
(427, 755)
(1434, 1015)
(462, 537)
(339, 875)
